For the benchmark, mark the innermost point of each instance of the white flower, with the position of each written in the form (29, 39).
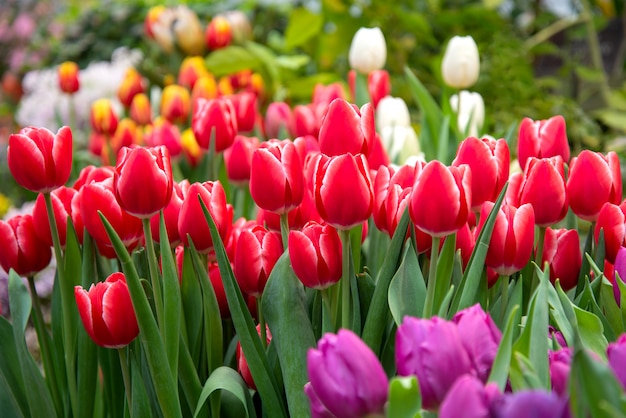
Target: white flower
(401, 144)
(471, 115)
(392, 111)
(368, 51)
(460, 65)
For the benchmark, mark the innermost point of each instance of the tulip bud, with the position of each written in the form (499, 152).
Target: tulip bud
(191, 149)
(245, 104)
(103, 117)
(64, 207)
(560, 362)
(460, 66)
(432, 350)
(170, 215)
(471, 114)
(39, 160)
(342, 189)
(68, 73)
(151, 18)
(132, 84)
(378, 86)
(215, 118)
(593, 180)
(392, 111)
(561, 250)
(206, 88)
(542, 139)
(276, 177)
(163, 132)
(140, 109)
(315, 254)
(143, 180)
(346, 378)
(616, 353)
(238, 159)
(107, 312)
(611, 221)
(188, 31)
(20, 247)
(469, 398)
(279, 121)
(175, 103)
(191, 69)
(257, 252)
(368, 51)
(218, 33)
(346, 129)
(441, 198)
(240, 25)
(530, 403)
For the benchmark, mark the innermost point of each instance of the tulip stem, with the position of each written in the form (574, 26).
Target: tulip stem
(154, 272)
(68, 306)
(538, 257)
(345, 278)
(261, 322)
(504, 297)
(284, 229)
(327, 312)
(44, 342)
(361, 92)
(429, 304)
(126, 376)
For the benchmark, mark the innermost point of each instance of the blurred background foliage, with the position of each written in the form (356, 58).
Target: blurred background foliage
(536, 60)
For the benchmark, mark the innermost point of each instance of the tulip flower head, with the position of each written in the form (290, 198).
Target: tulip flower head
(346, 129)
(40, 160)
(107, 312)
(460, 66)
(616, 353)
(469, 398)
(561, 250)
(68, 73)
(20, 247)
(218, 33)
(368, 50)
(346, 378)
(471, 113)
(214, 120)
(542, 139)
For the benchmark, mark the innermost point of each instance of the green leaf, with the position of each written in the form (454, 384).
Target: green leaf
(191, 294)
(591, 331)
(14, 394)
(292, 62)
(225, 378)
(608, 304)
(443, 149)
(39, 400)
(302, 26)
(405, 400)
(445, 264)
(140, 402)
(9, 403)
(472, 278)
(284, 309)
(264, 379)
(533, 342)
(171, 300)
(167, 389)
(501, 364)
(407, 290)
(231, 59)
(376, 320)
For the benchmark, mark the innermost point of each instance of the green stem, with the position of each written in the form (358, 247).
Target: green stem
(345, 278)
(429, 304)
(68, 306)
(262, 329)
(126, 377)
(538, 257)
(284, 229)
(44, 344)
(361, 92)
(504, 296)
(154, 272)
(327, 312)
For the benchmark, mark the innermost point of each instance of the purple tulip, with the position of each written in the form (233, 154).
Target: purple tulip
(616, 353)
(432, 350)
(346, 378)
(530, 403)
(480, 337)
(556, 336)
(619, 268)
(560, 362)
(469, 398)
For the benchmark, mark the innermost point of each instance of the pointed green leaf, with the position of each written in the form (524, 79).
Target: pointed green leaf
(225, 378)
(501, 364)
(303, 25)
(407, 290)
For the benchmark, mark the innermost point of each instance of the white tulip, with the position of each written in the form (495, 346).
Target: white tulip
(401, 143)
(392, 111)
(461, 65)
(368, 51)
(471, 115)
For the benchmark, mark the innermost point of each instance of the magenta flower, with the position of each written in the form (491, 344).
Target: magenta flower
(616, 353)
(469, 398)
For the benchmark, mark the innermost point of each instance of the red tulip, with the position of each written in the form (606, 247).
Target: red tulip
(465, 243)
(489, 162)
(242, 363)
(218, 33)
(143, 180)
(164, 133)
(103, 118)
(191, 70)
(238, 159)
(306, 145)
(171, 213)
(297, 217)
(378, 85)
(611, 220)
(305, 121)
(257, 252)
(245, 104)
(191, 221)
(561, 250)
(279, 120)
(107, 313)
(91, 173)
(345, 129)
(276, 177)
(543, 186)
(512, 239)
(377, 155)
(441, 198)
(343, 190)
(39, 160)
(97, 197)
(315, 254)
(389, 181)
(217, 116)
(20, 247)
(238, 226)
(131, 85)
(593, 180)
(542, 139)
(64, 206)
(140, 109)
(175, 103)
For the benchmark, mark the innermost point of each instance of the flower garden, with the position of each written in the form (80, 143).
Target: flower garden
(205, 224)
